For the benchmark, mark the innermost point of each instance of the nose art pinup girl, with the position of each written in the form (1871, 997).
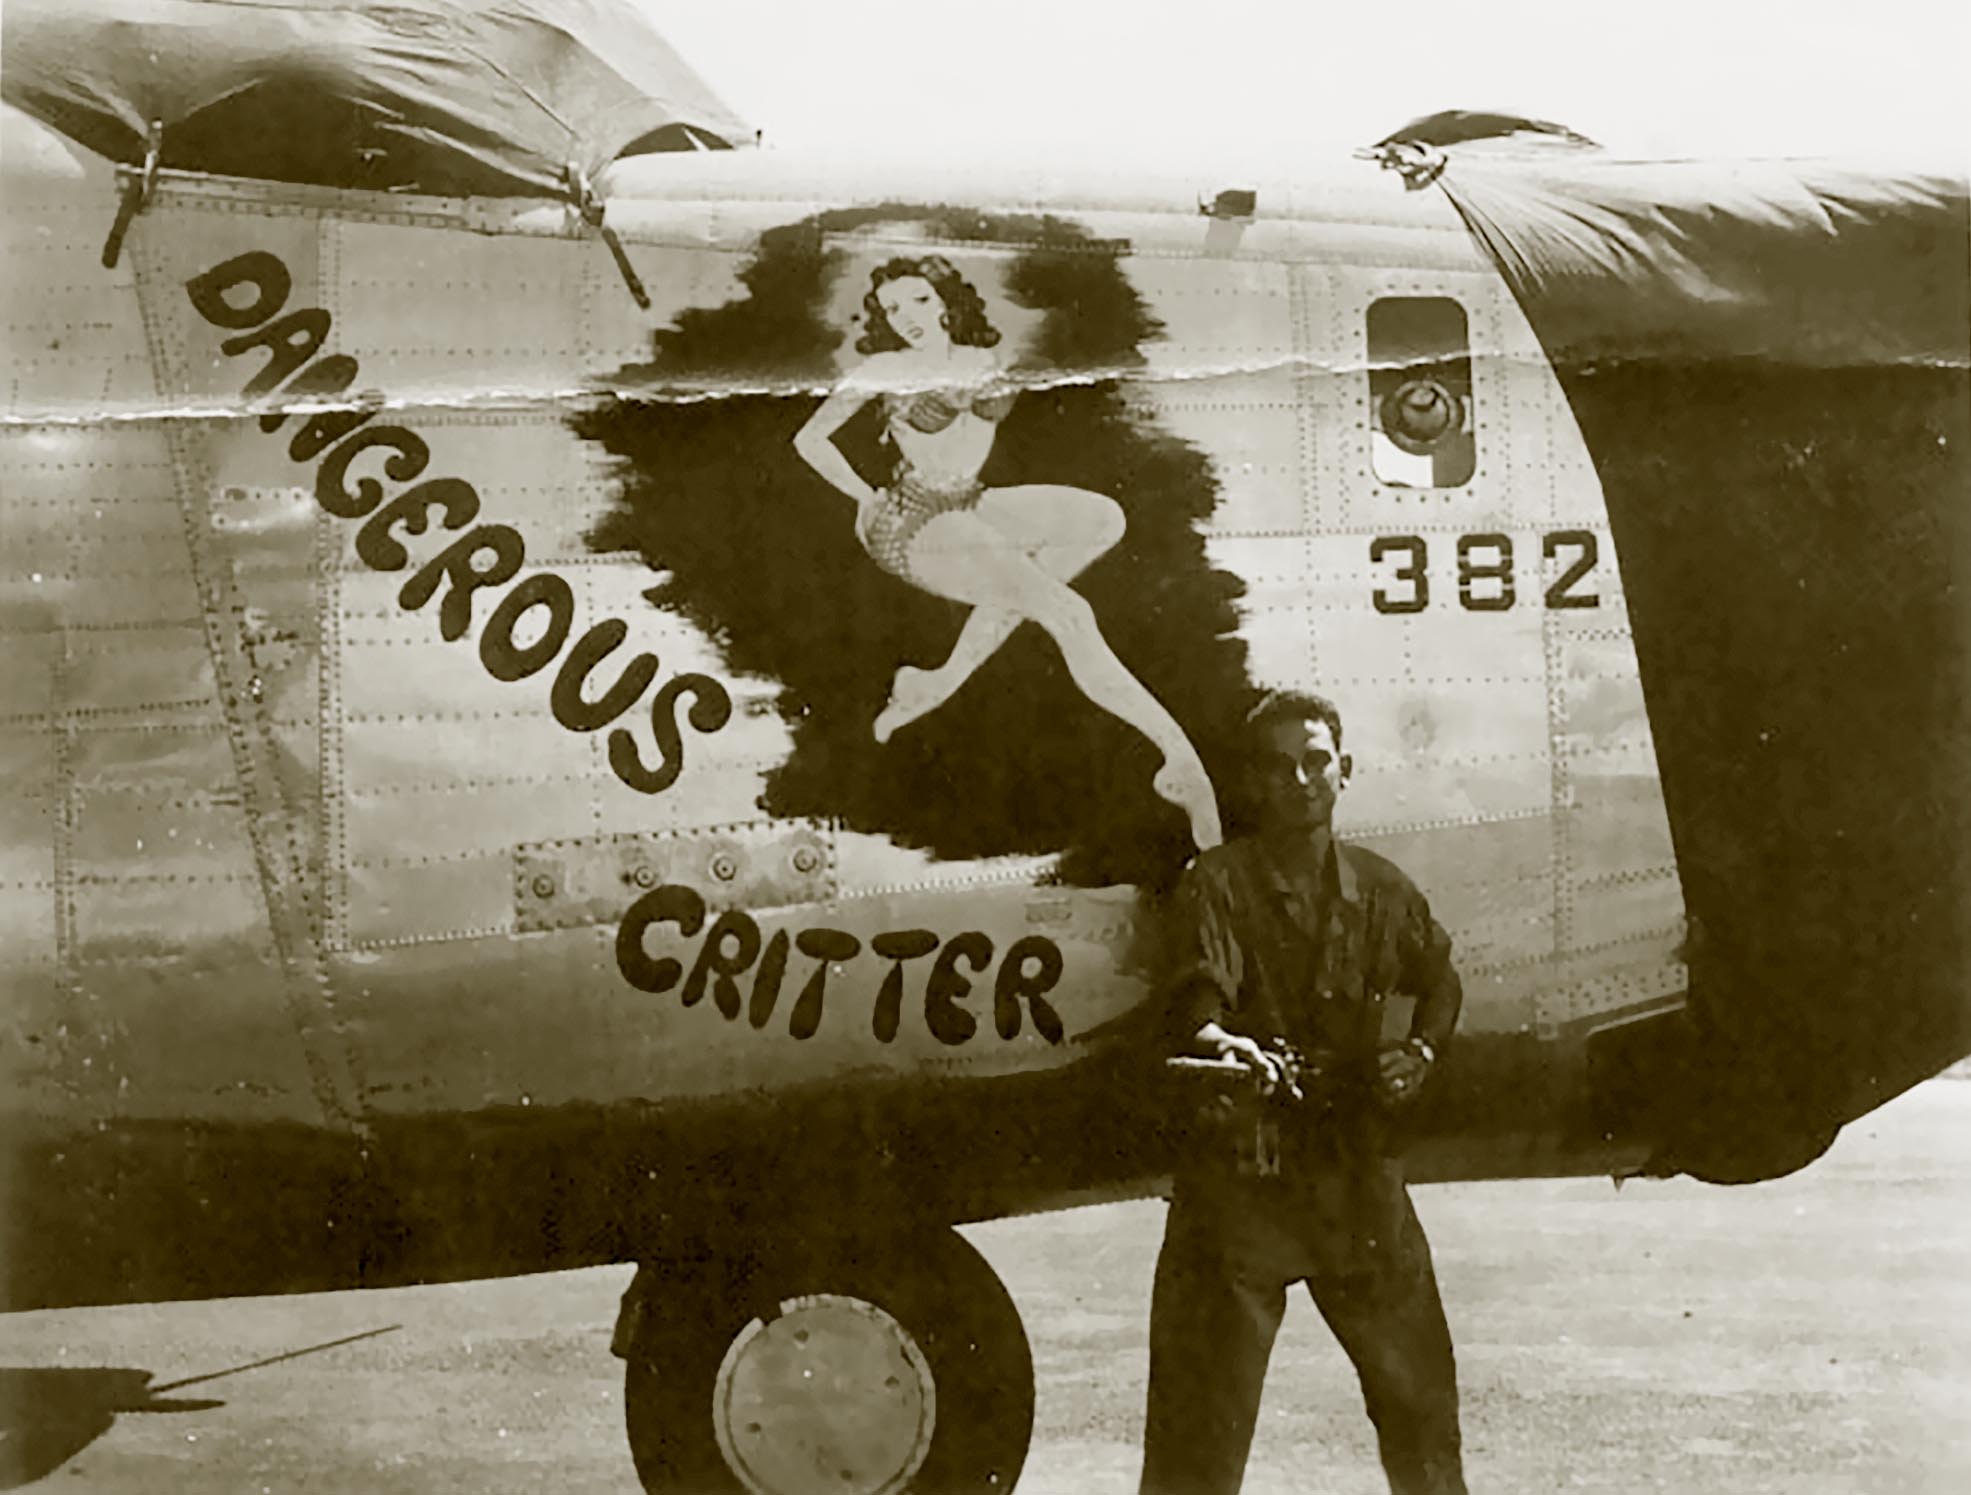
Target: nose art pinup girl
(1009, 553)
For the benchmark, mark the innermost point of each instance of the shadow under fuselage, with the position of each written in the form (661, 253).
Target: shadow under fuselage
(154, 1211)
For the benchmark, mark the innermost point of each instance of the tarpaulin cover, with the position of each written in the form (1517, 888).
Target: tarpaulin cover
(493, 97)
(1771, 366)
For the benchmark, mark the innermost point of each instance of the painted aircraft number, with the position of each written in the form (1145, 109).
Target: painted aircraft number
(1485, 571)
(1030, 968)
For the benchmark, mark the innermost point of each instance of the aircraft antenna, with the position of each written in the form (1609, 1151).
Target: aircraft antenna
(138, 187)
(591, 209)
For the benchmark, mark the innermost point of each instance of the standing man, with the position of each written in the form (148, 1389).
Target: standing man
(1288, 940)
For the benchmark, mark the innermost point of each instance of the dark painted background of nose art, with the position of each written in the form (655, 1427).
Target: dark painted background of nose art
(759, 551)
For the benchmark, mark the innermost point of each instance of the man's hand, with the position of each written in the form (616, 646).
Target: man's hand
(1265, 1066)
(1401, 1074)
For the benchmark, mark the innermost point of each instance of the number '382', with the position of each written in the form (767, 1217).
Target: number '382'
(1485, 574)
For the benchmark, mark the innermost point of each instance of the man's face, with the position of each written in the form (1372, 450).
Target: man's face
(1297, 773)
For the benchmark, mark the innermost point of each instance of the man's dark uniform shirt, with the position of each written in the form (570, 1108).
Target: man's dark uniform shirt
(1273, 944)
(1313, 956)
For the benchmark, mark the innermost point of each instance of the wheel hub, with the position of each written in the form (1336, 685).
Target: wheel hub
(832, 1395)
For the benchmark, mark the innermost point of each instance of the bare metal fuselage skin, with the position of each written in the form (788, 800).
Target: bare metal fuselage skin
(353, 931)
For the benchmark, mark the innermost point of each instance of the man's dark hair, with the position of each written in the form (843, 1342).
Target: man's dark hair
(1242, 804)
(1290, 706)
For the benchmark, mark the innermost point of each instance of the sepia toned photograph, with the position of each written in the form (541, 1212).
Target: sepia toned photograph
(783, 750)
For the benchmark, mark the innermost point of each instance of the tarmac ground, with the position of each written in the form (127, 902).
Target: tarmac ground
(1810, 1336)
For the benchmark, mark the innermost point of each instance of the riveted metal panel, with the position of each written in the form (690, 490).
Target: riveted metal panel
(560, 884)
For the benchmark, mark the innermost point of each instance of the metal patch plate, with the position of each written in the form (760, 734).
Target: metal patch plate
(565, 883)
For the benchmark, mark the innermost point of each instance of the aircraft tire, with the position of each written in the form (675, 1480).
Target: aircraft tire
(960, 1321)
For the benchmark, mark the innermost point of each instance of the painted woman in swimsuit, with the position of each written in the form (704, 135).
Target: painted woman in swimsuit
(1009, 553)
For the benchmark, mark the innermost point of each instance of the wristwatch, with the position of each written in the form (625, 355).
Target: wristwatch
(1422, 1049)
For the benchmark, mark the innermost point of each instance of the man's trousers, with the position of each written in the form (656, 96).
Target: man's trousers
(1231, 1249)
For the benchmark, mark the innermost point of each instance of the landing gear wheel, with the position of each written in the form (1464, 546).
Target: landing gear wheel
(871, 1369)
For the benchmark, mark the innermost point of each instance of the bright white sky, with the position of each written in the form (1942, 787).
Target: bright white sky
(1084, 81)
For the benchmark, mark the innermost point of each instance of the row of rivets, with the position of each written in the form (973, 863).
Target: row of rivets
(724, 867)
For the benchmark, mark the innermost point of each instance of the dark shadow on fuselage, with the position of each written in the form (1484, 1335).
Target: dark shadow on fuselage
(505, 1191)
